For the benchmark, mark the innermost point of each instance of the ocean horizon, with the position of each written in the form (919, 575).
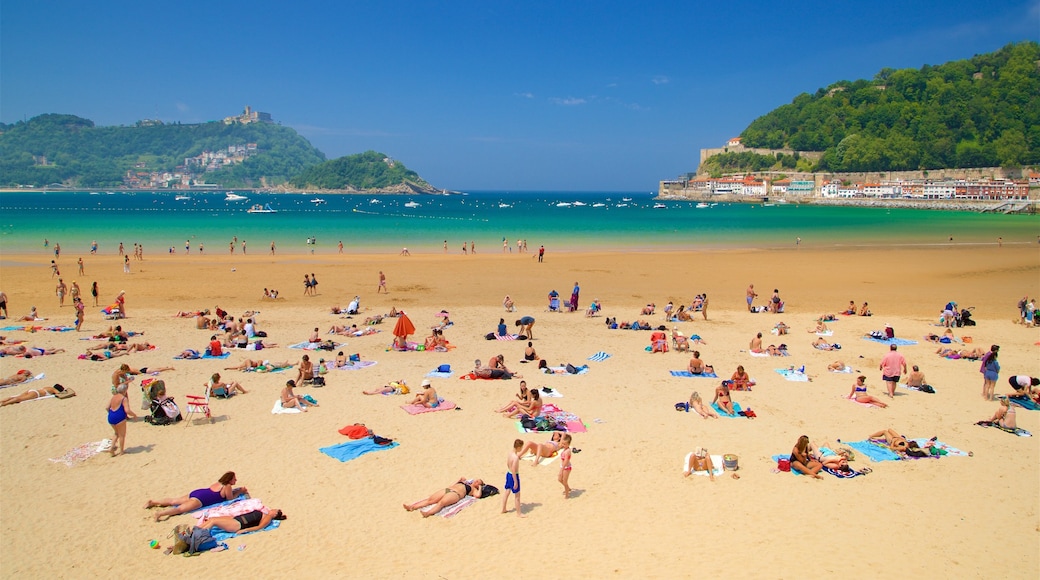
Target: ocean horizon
(562, 221)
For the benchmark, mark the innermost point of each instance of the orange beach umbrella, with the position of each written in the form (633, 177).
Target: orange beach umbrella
(404, 327)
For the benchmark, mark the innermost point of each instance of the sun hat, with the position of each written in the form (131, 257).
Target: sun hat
(426, 383)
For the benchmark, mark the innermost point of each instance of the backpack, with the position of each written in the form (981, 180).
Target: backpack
(194, 539)
(489, 336)
(572, 369)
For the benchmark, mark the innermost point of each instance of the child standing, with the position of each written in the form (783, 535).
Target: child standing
(513, 477)
(565, 464)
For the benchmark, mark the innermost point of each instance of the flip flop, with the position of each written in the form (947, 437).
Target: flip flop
(866, 470)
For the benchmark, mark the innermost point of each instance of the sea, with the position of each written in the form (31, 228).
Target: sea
(32, 222)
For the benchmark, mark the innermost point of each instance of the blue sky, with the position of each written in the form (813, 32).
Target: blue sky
(523, 95)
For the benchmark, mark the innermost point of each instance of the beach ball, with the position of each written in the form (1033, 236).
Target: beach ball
(154, 544)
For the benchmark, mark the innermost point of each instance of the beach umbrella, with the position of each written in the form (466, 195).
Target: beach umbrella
(404, 327)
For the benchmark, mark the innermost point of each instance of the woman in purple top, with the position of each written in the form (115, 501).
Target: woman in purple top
(220, 491)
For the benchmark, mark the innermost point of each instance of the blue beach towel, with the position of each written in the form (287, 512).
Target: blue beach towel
(1025, 403)
(220, 535)
(354, 449)
(898, 341)
(873, 451)
(689, 375)
(736, 409)
(599, 356)
(225, 355)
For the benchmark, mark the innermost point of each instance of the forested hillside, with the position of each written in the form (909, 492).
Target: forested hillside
(368, 170)
(980, 112)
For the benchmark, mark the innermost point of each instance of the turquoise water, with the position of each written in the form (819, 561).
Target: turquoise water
(383, 223)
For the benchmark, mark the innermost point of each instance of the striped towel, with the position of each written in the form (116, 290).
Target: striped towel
(453, 510)
(507, 336)
(689, 375)
(599, 356)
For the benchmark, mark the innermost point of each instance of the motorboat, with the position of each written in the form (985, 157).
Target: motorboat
(266, 208)
(660, 206)
(412, 204)
(182, 198)
(599, 205)
(563, 204)
(702, 205)
(374, 200)
(317, 201)
(232, 196)
(504, 205)
(621, 205)
(626, 199)
(578, 203)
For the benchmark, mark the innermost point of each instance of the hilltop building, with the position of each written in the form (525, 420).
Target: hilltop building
(249, 116)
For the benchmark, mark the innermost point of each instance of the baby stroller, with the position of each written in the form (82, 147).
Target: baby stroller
(162, 410)
(964, 317)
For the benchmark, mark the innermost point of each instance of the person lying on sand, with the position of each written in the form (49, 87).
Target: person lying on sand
(542, 450)
(30, 394)
(260, 366)
(821, 344)
(243, 524)
(28, 351)
(448, 496)
(220, 491)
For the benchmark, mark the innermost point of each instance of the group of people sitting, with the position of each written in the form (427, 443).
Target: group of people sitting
(851, 310)
(528, 403)
(495, 369)
(755, 346)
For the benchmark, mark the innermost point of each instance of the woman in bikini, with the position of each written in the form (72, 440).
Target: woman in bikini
(723, 400)
(859, 393)
(741, 380)
(19, 377)
(243, 524)
(531, 409)
(218, 388)
(448, 496)
(522, 398)
(57, 390)
(1005, 415)
(118, 411)
(220, 491)
(529, 353)
(698, 405)
(802, 459)
(893, 440)
(540, 450)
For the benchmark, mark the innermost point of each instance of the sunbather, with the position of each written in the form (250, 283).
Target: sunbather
(540, 450)
(723, 400)
(700, 408)
(820, 344)
(837, 366)
(699, 460)
(394, 388)
(243, 524)
(859, 393)
(30, 394)
(290, 400)
(260, 366)
(741, 380)
(893, 440)
(218, 388)
(532, 409)
(1004, 417)
(220, 491)
(448, 496)
(803, 460)
(427, 397)
(756, 344)
(820, 327)
(19, 377)
(697, 366)
(28, 351)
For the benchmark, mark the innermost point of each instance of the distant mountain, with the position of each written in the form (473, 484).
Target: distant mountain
(368, 171)
(980, 112)
(72, 151)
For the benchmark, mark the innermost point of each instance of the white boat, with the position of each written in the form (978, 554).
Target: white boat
(182, 198)
(412, 204)
(599, 205)
(563, 204)
(578, 203)
(266, 208)
(232, 196)
(621, 205)
(769, 204)
(317, 201)
(504, 205)
(702, 205)
(660, 206)
(374, 200)
(626, 199)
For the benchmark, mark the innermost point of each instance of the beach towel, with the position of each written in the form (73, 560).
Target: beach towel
(898, 341)
(736, 410)
(207, 355)
(846, 370)
(825, 333)
(599, 356)
(453, 510)
(540, 460)
(1024, 402)
(418, 409)
(563, 370)
(438, 375)
(314, 345)
(267, 369)
(874, 451)
(950, 450)
(356, 365)
(1018, 431)
(843, 474)
(83, 452)
(689, 375)
(759, 354)
(506, 336)
(353, 449)
(793, 375)
(278, 409)
(28, 380)
(717, 465)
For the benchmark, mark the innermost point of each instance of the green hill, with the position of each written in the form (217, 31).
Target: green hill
(71, 150)
(364, 171)
(980, 112)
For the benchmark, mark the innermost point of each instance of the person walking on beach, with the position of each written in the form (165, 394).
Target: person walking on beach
(463, 248)
(541, 253)
(121, 251)
(60, 291)
(382, 283)
(751, 295)
(79, 312)
(243, 247)
(80, 262)
(445, 246)
(341, 246)
(513, 478)
(93, 247)
(472, 248)
(118, 411)
(891, 365)
(187, 247)
(3, 304)
(126, 263)
(93, 292)
(54, 269)
(272, 247)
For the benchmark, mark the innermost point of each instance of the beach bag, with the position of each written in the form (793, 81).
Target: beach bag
(528, 423)
(682, 407)
(318, 382)
(572, 369)
(192, 540)
(381, 440)
(784, 464)
(927, 389)
(354, 357)
(489, 336)
(488, 490)
(444, 369)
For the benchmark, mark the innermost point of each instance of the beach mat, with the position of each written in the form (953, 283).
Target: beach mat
(846, 370)
(689, 375)
(419, 409)
(736, 409)
(278, 409)
(1023, 402)
(843, 474)
(225, 355)
(438, 375)
(718, 467)
(506, 336)
(873, 451)
(793, 375)
(897, 341)
(1018, 431)
(356, 365)
(353, 449)
(83, 452)
(599, 356)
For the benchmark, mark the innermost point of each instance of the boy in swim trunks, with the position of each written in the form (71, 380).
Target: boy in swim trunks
(513, 477)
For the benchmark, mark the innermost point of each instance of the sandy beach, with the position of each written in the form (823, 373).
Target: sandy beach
(632, 513)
